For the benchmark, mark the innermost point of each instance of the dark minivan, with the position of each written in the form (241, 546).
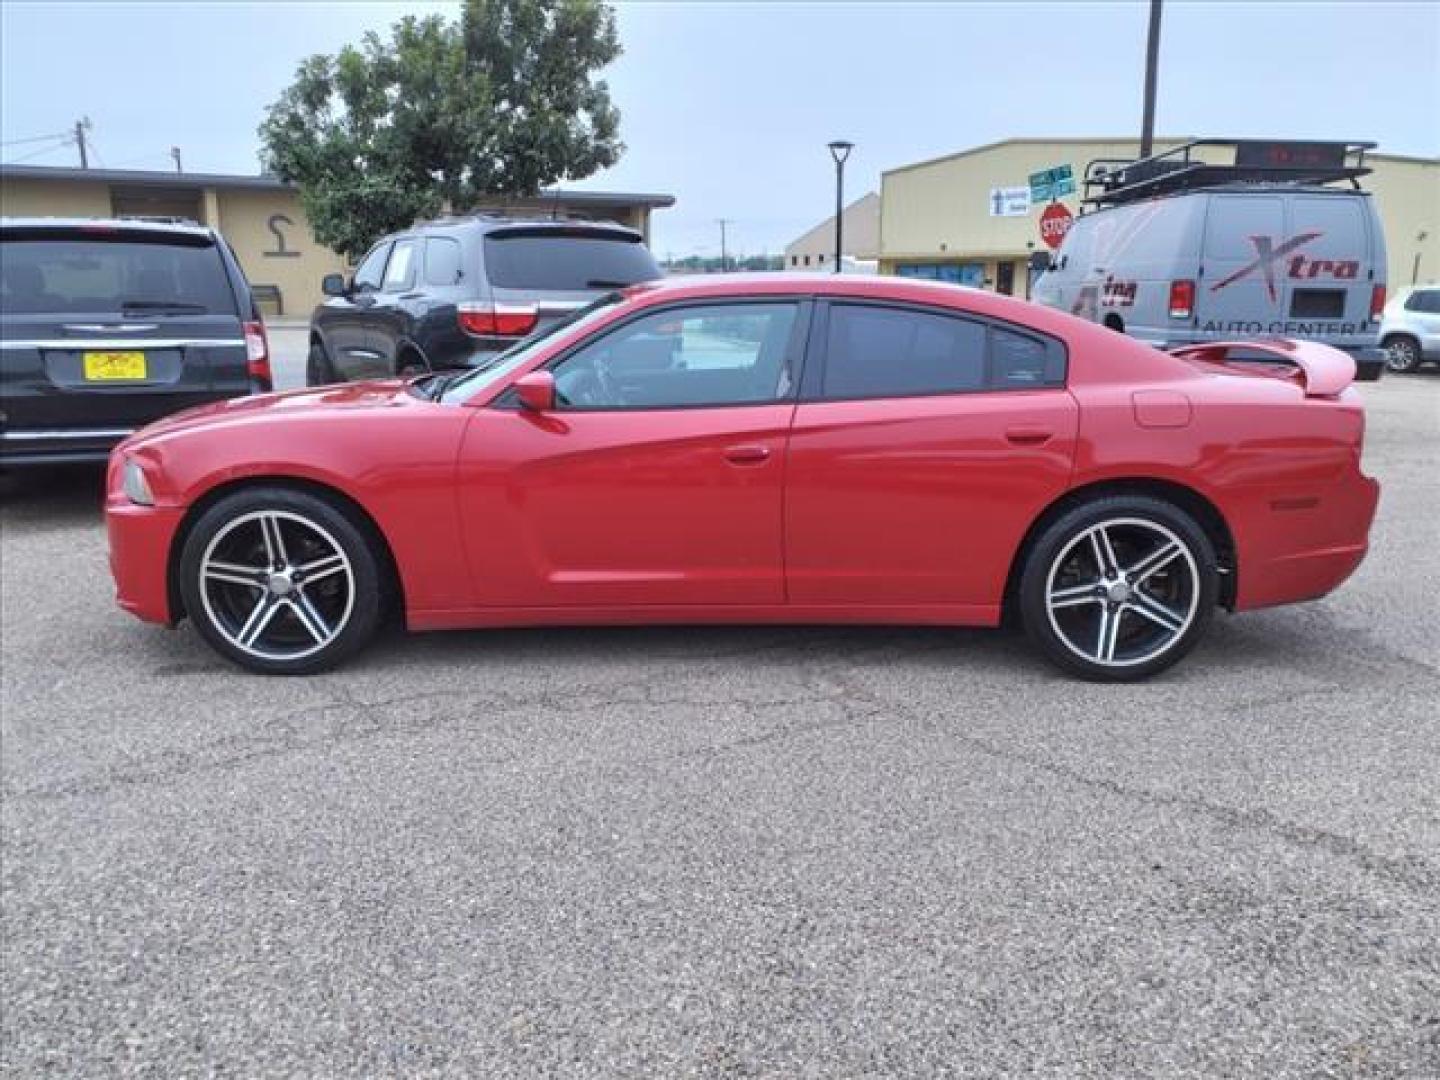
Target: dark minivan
(106, 325)
(455, 292)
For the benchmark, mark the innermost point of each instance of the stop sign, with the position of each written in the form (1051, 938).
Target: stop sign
(1055, 223)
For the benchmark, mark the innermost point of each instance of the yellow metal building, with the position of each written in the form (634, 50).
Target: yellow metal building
(260, 216)
(940, 217)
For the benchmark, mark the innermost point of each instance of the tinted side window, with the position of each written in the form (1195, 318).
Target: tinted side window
(1021, 362)
(372, 268)
(400, 271)
(442, 261)
(719, 354)
(1426, 300)
(892, 352)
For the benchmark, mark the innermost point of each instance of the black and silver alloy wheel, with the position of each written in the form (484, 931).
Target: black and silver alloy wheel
(1120, 588)
(1122, 592)
(277, 586)
(281, 581)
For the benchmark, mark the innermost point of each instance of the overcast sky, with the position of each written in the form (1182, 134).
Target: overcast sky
(728, 106)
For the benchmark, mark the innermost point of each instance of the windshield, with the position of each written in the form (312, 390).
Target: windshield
(482, 378)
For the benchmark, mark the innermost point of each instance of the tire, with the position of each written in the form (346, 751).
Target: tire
(294, 607)
(1402, 354)
(409, 362)
(1155, 605)
(318, 369)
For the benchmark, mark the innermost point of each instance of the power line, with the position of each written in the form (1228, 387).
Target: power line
(37, 138)
(38, 153)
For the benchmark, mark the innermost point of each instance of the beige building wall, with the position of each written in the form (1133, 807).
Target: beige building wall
(37, 198)
(816, 248)
(1407, 195)
(271, 237)
(938, 211)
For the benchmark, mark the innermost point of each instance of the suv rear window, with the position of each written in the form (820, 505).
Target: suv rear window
(74, 274)
(562, 260)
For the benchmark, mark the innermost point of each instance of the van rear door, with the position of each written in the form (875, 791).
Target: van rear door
(1331, 274)
(1242, 289)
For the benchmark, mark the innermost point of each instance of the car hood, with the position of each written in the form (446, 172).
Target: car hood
(387, 394)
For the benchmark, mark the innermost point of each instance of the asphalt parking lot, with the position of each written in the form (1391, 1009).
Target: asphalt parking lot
(725, 852)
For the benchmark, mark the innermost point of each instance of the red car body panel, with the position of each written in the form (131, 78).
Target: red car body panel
(908, 510)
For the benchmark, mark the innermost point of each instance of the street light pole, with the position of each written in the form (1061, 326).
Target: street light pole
(840, 150)
(724, 253)
(1152, 61)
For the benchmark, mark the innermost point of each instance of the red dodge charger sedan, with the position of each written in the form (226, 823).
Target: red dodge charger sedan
(763, 449)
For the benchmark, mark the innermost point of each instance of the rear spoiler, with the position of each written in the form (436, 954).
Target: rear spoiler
(1324, 370)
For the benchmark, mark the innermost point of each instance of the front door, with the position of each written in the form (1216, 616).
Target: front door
(926, 445)
(345, 320)
(658, 477)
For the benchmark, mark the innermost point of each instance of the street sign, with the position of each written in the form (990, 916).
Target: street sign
(1055, 223)
(1052, 183)
(1009, 202)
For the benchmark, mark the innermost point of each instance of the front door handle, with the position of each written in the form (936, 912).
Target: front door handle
(747, 455)
(1029, 436)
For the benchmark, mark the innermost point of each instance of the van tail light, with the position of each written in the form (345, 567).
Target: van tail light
(257, 357)
(498, 320)
(1182, 299)
(1377, 303)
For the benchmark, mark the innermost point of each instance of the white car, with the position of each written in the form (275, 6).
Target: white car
(1410, 331)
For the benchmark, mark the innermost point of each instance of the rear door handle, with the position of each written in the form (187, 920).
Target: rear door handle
(1028, 436)
(747, 455)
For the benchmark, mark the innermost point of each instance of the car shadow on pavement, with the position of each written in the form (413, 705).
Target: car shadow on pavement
(60, 495)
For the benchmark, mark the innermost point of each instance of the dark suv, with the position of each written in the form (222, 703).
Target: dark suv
(451, 293)
(106, 325)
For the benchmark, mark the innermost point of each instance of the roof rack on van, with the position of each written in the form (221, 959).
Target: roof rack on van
(1113, 181)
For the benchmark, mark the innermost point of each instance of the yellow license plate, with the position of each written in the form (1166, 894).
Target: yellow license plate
(114, 366)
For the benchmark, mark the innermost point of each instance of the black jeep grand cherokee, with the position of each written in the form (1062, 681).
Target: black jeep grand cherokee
(107, 325)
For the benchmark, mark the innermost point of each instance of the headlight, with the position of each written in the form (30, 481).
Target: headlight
(135, 486)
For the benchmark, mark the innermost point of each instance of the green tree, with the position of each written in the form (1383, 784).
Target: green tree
(445, 115)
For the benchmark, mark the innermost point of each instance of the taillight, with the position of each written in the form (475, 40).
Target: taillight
(257, 356)
(1182, 299)
(1377, 302)
(498, 320)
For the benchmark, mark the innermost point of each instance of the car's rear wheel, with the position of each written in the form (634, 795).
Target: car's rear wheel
(319, 371)
(1119, 588)
(281, 581)
(1402, 354)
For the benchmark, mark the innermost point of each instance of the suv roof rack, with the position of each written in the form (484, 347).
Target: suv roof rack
(1114, 181)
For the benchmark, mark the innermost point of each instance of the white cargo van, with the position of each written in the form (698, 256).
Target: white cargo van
(1223, 239)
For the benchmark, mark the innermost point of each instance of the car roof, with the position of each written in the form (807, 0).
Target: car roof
(147, 225)
(889, 287)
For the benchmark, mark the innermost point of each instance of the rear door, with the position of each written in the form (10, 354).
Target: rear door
(109, 328)
(1329, 277)
(924, 445)
(1245, 254)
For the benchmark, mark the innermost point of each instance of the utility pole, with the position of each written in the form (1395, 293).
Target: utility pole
(1152, 60)
(724, 252)
(80, 126)
(175, 153)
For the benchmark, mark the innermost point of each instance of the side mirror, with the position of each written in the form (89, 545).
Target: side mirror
(536, 391)
(333, 285)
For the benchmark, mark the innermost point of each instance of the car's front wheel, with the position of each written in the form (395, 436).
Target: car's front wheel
(1402, 354)
(1119, 588)
(281, 581)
